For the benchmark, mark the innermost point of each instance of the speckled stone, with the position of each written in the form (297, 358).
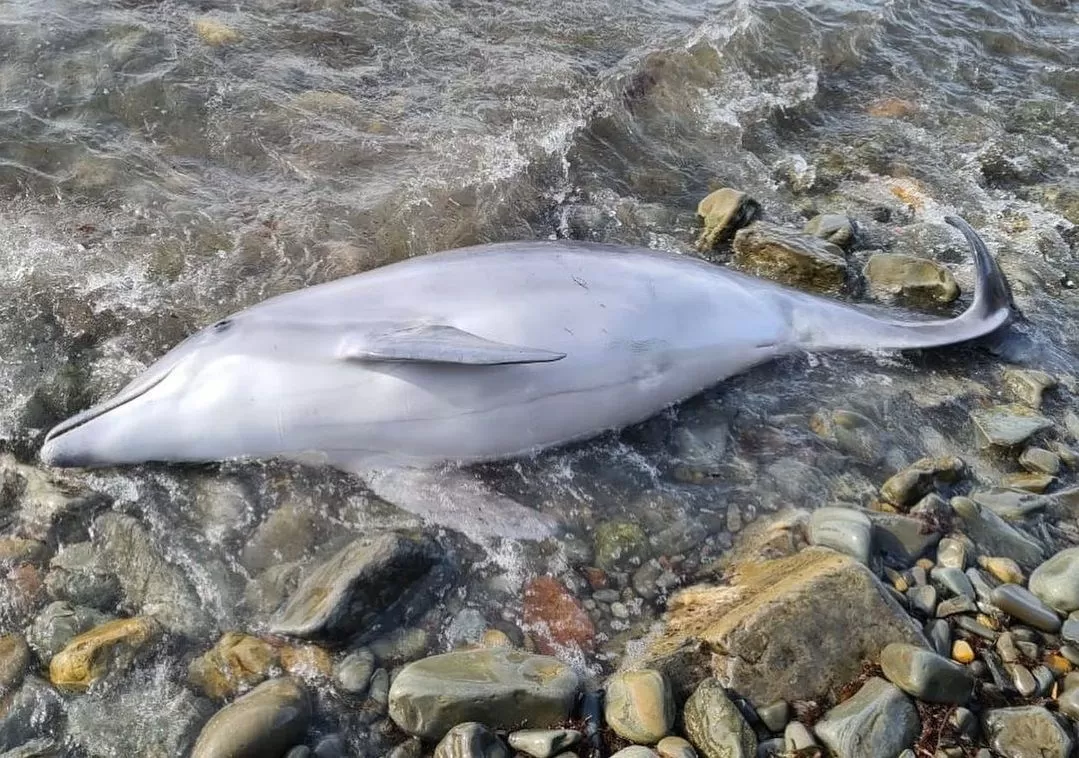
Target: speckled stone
(640, 706)
(675, 747)
(926, 675)
(1027, 732)
(715, 726)
(1018, 602)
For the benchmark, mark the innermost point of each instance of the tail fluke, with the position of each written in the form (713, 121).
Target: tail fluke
(846, 327)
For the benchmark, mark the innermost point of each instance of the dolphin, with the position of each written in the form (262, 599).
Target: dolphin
(407, 372)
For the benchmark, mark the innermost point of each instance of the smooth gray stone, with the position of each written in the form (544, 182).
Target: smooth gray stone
(1069, 630)
(1005, 644)
(42, 747)
(1056, 582)
(1021, 679)
(1027, 731)
(33, 711)
(975, 627)
(1045, 679)
(926, 675)
(499, 687)
(995, 536)
(956, 605)
(846, 530)
(770, 748)
(1018, 602)
(1068, 703)
(1040, 460)
(983, 590)
(635, 751)
(1007, 425)
(940, 636)
(353, 674)
(878, 721)
(797, 737)
(952, 554)
(675, 747)
(471, 740)
(775, 715)
(953, 580)
(544, 743)
(923, 599)
(640, 706)
(715, 726)
(268, 720)
(964, 722)
(903, 538)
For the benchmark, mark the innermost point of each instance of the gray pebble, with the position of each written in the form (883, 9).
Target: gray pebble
(964, 722)
(940, 636)
(1056, 582)
(878, 720)
(919, 575)
(544, 743)
(1070, 629)
(1039, 460)
(956, 605)
(1009, 652)
(953, 580)
(1020, 603)
(354, 672)
(772, 748)
(982, 589)
(379, 689)
(1028, 730)
(637, 751)
(923, 598)
(846, 530)
(975, 627)
(775, 715)
(606, 596)
(952, 554)
(619, 611)
(1045, 679)
(797, 737)
(675, 747)
(926, 675)
(1021, 679)
(471, 740)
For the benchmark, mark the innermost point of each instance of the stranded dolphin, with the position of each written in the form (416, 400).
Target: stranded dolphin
(477, 354)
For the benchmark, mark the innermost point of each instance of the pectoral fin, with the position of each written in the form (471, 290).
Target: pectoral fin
(455, 499)
(434, 343)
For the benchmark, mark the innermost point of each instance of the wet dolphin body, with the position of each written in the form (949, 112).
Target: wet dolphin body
(477, 354)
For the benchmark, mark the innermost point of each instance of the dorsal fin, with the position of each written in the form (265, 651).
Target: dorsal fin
(437, 343)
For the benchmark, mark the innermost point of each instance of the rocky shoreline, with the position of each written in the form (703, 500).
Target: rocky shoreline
(936, 618)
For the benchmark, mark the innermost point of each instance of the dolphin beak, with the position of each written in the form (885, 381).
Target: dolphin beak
(71, 444)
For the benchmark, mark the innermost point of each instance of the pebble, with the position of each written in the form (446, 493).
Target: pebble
(952, 554)
(844, 529)
(471, 740)
(1039, 460)
(1045, 679)
(640, 705)
(28, 713)
(370, 585)
(994, 535)
(1036, 483)
(77, 574)
(1058, 664)
(926, 675)
(91, 656)
(964, 722)
(502, 688)
(1004, 569)
(722, 213)
(962, 651)
(797, 737)
(879, 720)
(619, 611)
(1071, 652)
(1021, 604)
(1007, 425)
(235, 664)
(620, 543)
(953, 580)
(770, 748)
(637, 751)
(977, 628)
(1021, 679)
(715, 726)
(495, 638)
(1028, 385)
(775, 715)
(1070, 629)
(834, 227)
(400, 646)
(1026, 731)
(798, 260)
(14, 661)
(1009, 651)
(58, 624)
(917, 480)
(910, 277)
(353, 673)
(268, 720)
(378, 691)
(939, 635)
(556, 617)
(1056, 582)
(902, 538)
(983, 591)
(675, 747)
(956, 605)
(544, 743)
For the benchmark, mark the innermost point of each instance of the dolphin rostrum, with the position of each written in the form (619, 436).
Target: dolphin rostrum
(404, 372)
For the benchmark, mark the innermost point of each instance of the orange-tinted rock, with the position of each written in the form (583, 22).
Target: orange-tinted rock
(892, 107)
(306, 661)
(555, 617)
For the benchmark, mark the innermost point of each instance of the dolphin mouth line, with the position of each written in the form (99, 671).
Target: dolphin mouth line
(85, 417)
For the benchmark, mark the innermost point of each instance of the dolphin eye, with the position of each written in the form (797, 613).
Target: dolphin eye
(222, 325)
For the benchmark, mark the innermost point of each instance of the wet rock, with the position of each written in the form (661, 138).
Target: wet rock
(723, 212)
(917, 480)
(790, 628)
(1007, 425)
(844, 529)
(285, 536)
(1026, 732)
(775, 715)
(306, 662)
(634, 751)
(144, 717)
(45, 502)
(150, 583)
(798, 260)
(544, 743)
(715, 726)
(833, 227)
(1018, 602)
(497, 687)
(982, 589)
(14, 661)
(1021, 679)
(955, 605)
(620, 543)
(962, 652)
(1009, 503)
(31, 712)
(18, 550)
(952, 554)
(1003, 569)
(796, 738)
(43, 747)
(1027, 385)
(80, 577)
(60, 623)
(918, 280)
(268, 720)
(354, 672)
(215, 33)
(902, 538)
(640, 706)
(378, 691)
(923, 598)
(471, 740)
(851, 432)
(272, 587)
(994, 535)
(1040, 461)
(1056, 582)
(926, 675)
(466, 627)
(236, 663)
(953, 580)
(939, 635)
(1028, 482)
(675, 747)
(401, 645)
(879, 720)
(93, 655)
(369, 586)
(555, 617)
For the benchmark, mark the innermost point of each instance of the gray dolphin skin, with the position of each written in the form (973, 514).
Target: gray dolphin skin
(404, 372)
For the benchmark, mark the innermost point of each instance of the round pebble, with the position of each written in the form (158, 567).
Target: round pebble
(1023, 605)
(1004, 569)
(962, 651)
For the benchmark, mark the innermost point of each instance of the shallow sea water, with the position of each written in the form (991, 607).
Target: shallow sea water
(163, 164)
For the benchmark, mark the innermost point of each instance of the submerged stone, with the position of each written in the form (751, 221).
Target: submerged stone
(266, 721)
(1007, 425)
(91, 656)
(791, 258)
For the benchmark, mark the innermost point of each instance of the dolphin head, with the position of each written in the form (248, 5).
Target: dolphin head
(150, 418)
